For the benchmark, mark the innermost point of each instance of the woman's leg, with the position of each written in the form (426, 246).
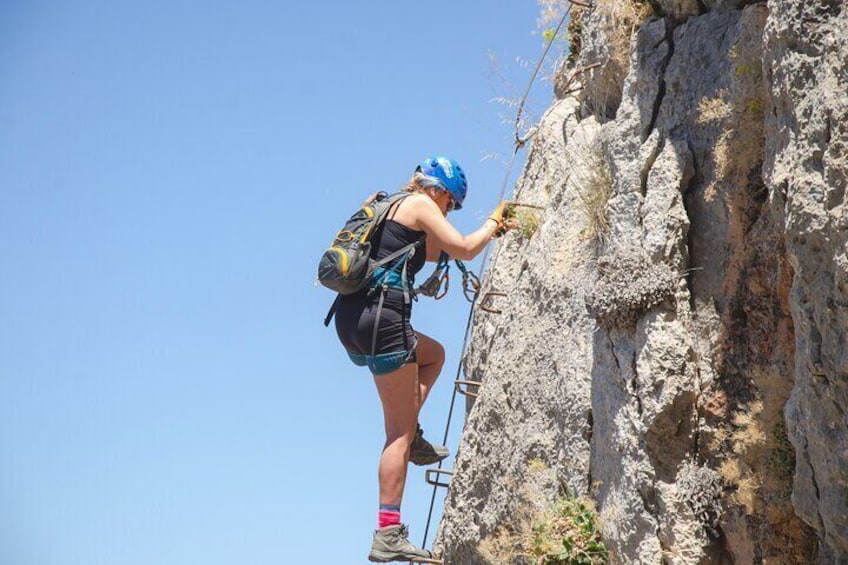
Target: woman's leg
(399, 393)
(431, 359)
(399, 396)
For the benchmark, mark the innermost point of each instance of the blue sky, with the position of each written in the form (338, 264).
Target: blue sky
(170, 172)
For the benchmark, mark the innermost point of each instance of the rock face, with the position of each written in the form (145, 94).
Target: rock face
(807, 172)
(671, 344)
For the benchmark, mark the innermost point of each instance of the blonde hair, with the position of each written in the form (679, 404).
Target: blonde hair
(424, 184)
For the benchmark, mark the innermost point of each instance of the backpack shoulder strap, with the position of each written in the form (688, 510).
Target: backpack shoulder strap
(387, 203)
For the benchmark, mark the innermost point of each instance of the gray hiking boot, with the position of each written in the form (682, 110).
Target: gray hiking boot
(422, 452)
(392, 544)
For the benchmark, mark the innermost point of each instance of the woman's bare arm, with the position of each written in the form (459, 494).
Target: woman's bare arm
(433, 251)
(370, 199)
(442, 235)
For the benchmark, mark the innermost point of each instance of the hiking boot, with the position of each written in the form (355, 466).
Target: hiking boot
(392, 544)
(422, 452)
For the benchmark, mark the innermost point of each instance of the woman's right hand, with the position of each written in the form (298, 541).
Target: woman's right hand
(370, 199)
(497, 215)
(503, 224)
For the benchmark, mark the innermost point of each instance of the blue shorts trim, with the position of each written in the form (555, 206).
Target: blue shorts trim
(382, 363)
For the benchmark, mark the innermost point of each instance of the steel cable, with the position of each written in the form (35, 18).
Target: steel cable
(519, 143)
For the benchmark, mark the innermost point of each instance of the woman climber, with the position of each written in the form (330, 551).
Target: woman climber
(374, 327)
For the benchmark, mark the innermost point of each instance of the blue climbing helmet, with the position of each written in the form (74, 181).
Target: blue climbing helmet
(449, 174)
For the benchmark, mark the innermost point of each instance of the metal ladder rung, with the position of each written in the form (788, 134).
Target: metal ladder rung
(483, 304)
(435, 482)
(458, 386)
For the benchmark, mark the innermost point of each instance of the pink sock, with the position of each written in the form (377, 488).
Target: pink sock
(388, 515)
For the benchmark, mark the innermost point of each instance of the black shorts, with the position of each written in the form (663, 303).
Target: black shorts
(396, 340)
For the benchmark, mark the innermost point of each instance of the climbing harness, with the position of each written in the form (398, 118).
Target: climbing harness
(473, 286)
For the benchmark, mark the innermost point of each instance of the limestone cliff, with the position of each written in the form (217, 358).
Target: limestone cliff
(672, 341)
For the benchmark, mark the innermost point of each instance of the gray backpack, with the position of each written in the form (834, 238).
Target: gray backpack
(346, 266)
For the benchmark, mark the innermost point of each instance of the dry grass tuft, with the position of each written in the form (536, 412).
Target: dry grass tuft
(598, 51)
(592, 180)
(622, 18)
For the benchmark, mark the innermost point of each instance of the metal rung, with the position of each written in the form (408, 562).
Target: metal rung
(435, 482)
(485, 308)
(458, 386)
(426, 560)
(526, 205)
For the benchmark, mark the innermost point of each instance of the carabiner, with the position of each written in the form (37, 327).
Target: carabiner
(446, 281)
(470, 285)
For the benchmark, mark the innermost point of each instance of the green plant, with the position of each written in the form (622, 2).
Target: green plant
(754, 106)
(753, 69)
(568, 535)
(782, 457)
(526, 221)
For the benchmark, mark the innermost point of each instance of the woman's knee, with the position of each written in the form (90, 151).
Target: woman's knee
(430, 351)
(400, 436)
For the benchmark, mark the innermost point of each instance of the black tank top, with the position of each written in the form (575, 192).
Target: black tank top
(393, 236)
(390, 237)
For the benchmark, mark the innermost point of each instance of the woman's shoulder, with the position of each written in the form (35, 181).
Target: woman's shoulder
(417, 199)
(412, 209)
(422, 205)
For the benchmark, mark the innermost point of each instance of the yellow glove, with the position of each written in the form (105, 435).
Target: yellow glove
(498, 214)
(498, 217)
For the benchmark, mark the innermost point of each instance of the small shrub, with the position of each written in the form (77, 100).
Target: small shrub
(628, 286)
(568, 535)
(702, 488)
